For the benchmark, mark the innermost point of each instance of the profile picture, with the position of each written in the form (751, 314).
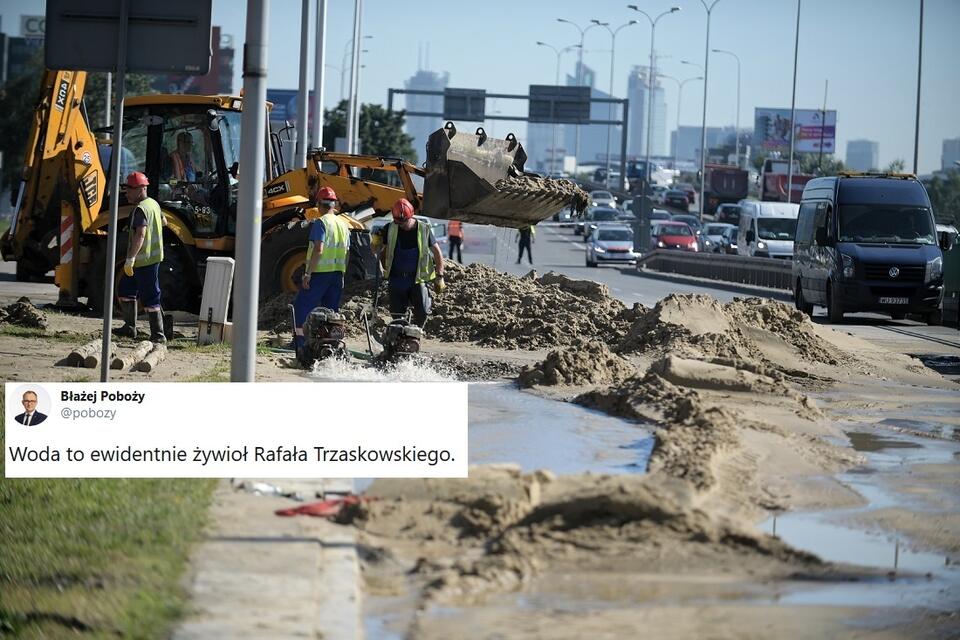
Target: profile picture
(35, 405)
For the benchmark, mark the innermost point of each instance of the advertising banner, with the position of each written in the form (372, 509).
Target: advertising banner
(813, 127)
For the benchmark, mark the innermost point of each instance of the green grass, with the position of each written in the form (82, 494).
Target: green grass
(96, 558)
(4, 225)
(59, 336)
(219, 372)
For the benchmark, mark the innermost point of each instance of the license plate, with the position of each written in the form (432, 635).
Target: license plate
(894, 300)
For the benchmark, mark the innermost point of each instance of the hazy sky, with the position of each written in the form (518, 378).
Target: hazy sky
(867, 49)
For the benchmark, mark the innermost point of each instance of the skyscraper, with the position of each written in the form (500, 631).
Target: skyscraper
(863, 155)
(420, 127)
(593, 137)
(638, 87)
(951, 154)
(688, 139)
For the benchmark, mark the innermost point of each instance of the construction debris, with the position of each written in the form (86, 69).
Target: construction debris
(157, 354)
(585, 362)
(22, 313)
(131, 358)
(88, 355)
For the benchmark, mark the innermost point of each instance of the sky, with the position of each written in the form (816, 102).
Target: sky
(866, 49)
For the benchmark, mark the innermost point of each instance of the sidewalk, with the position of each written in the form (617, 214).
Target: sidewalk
(259, 575)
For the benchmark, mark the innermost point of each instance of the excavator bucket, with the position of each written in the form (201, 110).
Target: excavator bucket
(478, 179)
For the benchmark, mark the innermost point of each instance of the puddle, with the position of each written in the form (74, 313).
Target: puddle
(871, 442)
(944, 365)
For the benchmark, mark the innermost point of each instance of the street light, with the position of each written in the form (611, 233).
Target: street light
(343, 65)
(652, 76)
(680, 83)
(613, 50)
(583, 32)
(737, 126)
(559, 52)
(703, 126)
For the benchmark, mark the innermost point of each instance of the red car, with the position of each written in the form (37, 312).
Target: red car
(667, 234)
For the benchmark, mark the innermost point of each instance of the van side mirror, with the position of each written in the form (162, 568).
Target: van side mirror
(751, 236)
(946, 241)
(821, 236)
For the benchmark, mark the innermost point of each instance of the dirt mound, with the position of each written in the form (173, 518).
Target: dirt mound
(583, 362)
(562, 189)
(495, 309)
(22, 313)
(460, 368)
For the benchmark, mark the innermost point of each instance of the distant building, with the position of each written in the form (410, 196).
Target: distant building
(685, 143)
(951, 154)
(541, 156)
(863, 155)
(638, 88)
(16, 54)
(218, 81)
(420, 127)
(593, 137)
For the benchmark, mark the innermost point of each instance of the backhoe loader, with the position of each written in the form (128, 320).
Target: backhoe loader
(189, 148)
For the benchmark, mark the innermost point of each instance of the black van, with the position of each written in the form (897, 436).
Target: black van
(867, 242)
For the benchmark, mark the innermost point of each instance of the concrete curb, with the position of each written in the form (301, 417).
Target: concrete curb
(258, 575)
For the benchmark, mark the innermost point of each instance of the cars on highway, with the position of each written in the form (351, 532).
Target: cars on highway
(660, 214)
(626, 205)
(657, 193)
(594, 215)
(676, 198)
(712, 235)
(729, 239)
(564, 217)
(688, 189)
(729, 213)
(609, 243)
(694, 223)
(671, 235)
(602, 199)
(767, 229)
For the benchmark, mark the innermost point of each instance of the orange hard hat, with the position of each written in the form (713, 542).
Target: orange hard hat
(402, 209)
(137, 179)
(326, 193)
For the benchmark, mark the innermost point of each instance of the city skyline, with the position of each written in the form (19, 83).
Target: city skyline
(871, 73)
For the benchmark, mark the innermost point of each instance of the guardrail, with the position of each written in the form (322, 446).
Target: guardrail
(773, 273)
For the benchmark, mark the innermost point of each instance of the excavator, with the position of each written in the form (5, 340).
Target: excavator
(189, 148)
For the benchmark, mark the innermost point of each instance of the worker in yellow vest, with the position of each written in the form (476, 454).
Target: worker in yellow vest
(327, 253)
(141, 269)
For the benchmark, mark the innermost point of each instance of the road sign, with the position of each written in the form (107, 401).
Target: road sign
(172, 36)
(464, 104)
(559, 104)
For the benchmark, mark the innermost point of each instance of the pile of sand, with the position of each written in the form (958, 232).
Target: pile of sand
(22, 313)
(495, 309)
(584, 362)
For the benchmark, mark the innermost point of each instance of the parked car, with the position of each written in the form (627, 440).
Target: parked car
(868, 243)
(729, 239)
(593, 215)
(609, 243)
(767, 229)
(729, 213)
(673, 235)
(712, 235)
(676, 198)
(602, 199)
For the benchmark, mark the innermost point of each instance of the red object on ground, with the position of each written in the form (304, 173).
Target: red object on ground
(322, 509)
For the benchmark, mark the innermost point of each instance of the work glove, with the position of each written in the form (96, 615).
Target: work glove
(439, 284)
(128, 267)
(305, 280)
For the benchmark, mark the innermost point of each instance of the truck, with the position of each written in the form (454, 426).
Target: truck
(724, 184)
(774, 181)
(62, 211)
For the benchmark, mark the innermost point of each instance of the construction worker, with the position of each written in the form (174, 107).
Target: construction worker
(455, 235)
(141, 269)
(181, 159)
(327, 253)
(525, 238)
(411, 258)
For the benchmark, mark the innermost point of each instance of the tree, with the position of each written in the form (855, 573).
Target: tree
(897, 166)
(944, 192)
(96, 93)
(381, 132)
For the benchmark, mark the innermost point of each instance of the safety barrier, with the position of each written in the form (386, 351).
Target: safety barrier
(772, 273)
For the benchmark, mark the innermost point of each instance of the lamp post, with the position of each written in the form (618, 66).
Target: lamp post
(344, 64)
(651, 76)
(916, 127)
(737, 125)
(703, 127)
(558, 52)
(613, 51)
(680, 83)
(583, 33)
(793, 107)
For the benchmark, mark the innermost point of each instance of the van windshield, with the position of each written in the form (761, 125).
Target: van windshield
(776, 228)
(889, 224)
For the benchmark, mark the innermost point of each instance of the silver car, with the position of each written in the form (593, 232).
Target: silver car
(713, 236)
(602, 199)
(610, 243)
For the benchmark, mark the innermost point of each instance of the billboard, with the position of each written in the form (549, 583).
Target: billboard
(772, 130)
(285, 105)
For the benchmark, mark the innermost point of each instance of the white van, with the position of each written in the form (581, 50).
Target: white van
(767, 229)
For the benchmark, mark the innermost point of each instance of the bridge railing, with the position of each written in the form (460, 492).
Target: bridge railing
(773, 273)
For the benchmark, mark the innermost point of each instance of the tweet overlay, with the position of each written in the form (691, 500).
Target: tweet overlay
(226, 430)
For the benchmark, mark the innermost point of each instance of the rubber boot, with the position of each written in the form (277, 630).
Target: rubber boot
(129, 329)
(156, 327)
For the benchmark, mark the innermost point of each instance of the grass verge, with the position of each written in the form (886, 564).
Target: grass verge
(95, 558)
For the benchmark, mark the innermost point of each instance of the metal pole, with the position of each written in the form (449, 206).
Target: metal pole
(354, 69)
(651, 79)
(106, 102)
(613, 52)
(576, 146)
(703, 126)
(553, 147)
(793, 107)
(623, 138)
(303, 90)
(916, 127)
(250, 194)
(737, 58)
(117, 143)
(823, 125)
(319, 73)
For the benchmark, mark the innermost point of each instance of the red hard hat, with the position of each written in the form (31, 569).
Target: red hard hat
(137, 179)
(402, 209)
(326, 193)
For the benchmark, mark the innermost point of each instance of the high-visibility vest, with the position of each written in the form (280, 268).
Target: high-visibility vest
(152, 250)
(425, 271)
(336, 243)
